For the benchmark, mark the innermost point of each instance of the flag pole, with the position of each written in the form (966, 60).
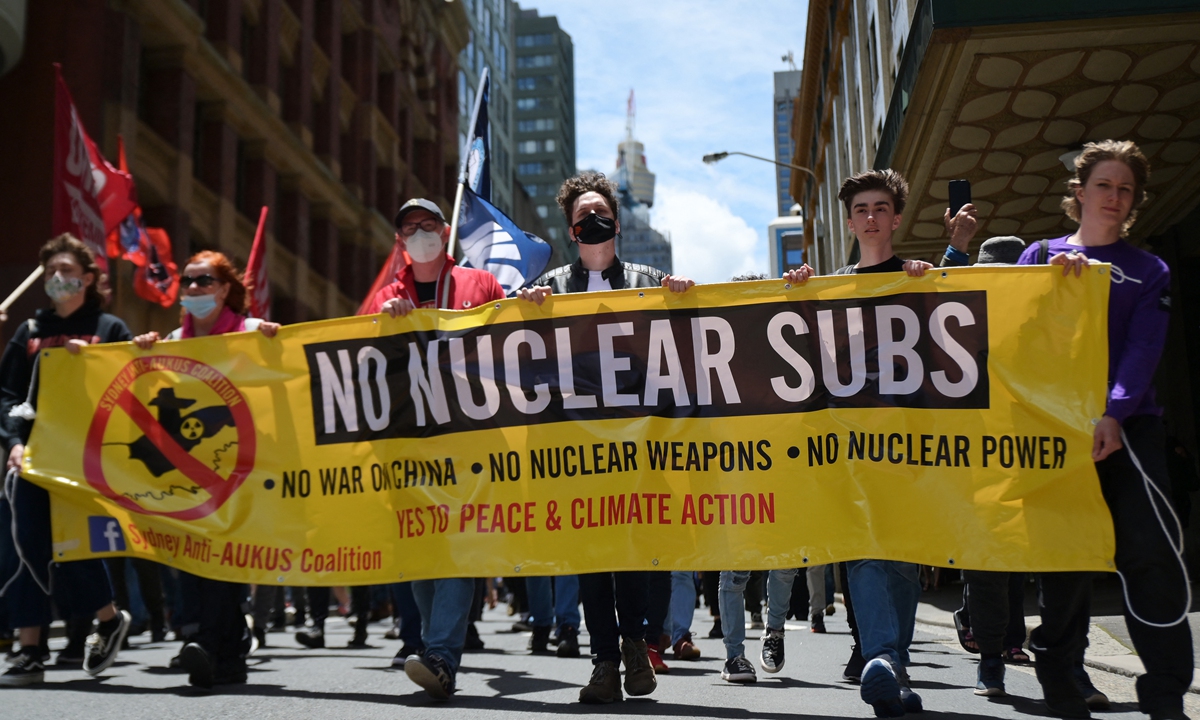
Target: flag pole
(462, 165)
(12, 297)
(454, 218)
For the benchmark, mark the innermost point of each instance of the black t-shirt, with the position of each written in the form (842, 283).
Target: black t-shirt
(892, 264)
(426, 293)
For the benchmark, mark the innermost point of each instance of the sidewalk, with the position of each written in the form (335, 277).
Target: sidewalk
(1109, 646)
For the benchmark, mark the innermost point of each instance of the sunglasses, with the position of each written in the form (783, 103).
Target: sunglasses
(201, 281)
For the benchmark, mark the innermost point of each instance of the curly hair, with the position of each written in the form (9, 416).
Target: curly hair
(586, 182)
(68, 243)
(888, 181)
(226, 273)
(1093, 154)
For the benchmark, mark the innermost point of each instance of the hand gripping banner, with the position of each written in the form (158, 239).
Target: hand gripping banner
(734, 426)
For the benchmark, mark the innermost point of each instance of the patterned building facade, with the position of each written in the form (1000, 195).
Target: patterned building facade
(330, 112)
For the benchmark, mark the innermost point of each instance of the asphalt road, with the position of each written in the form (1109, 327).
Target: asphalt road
(503, 681)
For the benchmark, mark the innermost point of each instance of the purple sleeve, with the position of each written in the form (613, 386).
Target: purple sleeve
(1029, 255)
(1147, 334)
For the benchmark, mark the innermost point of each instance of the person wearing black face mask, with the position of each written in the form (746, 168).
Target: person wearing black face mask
(614, 604)
(589, 202)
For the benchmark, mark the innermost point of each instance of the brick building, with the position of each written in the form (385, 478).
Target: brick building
(328, 111)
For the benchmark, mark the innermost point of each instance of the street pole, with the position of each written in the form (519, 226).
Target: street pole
(719, 156)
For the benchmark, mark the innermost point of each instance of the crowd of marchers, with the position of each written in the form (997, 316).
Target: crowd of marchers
(635, 621)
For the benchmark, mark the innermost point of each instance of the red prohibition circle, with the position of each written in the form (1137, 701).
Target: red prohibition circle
(118, 395)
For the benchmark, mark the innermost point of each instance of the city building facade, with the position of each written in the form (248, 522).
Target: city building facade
(1005, 95)
(490, 39)
(787, 87)
(545, 120)
(638, 242)
(327, 111)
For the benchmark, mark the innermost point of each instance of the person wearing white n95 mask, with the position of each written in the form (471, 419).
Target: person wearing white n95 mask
(430, 278)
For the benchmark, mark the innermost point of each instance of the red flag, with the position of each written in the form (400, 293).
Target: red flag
(157, 279)
(256, 272)
(391, 266)
(125, 241)
(91, 197)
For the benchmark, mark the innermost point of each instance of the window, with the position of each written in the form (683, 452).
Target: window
(548, 146)
(535, 61)
(531, 190)
(543, 211)
(536, 168)
(874, 55)
(535, 125)
(504, 60)
(527, 147)
(535, 40)
(527, 83)
(528, 103)
(463, 106)
(553, 233)
(469, 52)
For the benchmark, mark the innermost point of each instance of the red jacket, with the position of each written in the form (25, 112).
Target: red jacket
(458, 288)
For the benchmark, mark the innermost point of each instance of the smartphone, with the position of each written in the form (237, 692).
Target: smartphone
(960, 194)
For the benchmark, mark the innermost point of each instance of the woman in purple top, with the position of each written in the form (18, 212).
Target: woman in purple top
(1109, 183)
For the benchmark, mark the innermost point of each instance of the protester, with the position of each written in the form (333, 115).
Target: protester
(1103, 197)
(589, 203)
(313, 637)
(430, 278)
(885, 591)
(683, 606)
(554, 602)
(992, 620)
(214, 302)
(74, 320)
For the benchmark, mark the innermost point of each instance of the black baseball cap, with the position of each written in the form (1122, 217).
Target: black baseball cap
(418, 204)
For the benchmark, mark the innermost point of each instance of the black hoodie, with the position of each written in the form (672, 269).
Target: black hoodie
(45, 330)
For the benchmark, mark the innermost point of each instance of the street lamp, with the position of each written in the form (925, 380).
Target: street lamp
(718, 156)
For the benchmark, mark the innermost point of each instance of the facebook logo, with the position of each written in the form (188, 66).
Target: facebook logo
(105, 534)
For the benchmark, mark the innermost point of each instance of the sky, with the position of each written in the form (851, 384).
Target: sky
(703, 75)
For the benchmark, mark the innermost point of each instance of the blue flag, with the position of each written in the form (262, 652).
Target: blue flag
(493, 242)
(476, 169)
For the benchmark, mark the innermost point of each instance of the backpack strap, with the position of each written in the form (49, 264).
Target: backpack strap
(1043, 252)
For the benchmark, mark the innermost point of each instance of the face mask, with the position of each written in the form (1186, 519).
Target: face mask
(594, 229)
(424, 246)
(60, 288)
(199, 306)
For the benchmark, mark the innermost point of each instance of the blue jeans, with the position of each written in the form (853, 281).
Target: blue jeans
(566, 601)
(683, 605)
(409, 614)
(885, 596)
(731, 592)
(445, 605)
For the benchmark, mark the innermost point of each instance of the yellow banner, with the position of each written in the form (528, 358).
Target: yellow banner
(945, 420)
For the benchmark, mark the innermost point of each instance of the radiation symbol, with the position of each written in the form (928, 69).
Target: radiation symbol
(192, 429)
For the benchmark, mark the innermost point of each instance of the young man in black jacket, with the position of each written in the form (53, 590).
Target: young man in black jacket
(589, 203)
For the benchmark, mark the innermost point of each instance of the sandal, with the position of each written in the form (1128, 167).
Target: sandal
(1016, 655)
(965, 638)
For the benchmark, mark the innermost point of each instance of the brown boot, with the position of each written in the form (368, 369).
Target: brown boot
(639, 674)
(605, 685)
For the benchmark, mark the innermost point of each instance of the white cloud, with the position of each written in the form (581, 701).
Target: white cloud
(709, 243)
(703, 74)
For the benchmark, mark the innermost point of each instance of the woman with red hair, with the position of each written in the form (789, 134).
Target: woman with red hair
(214, 653)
